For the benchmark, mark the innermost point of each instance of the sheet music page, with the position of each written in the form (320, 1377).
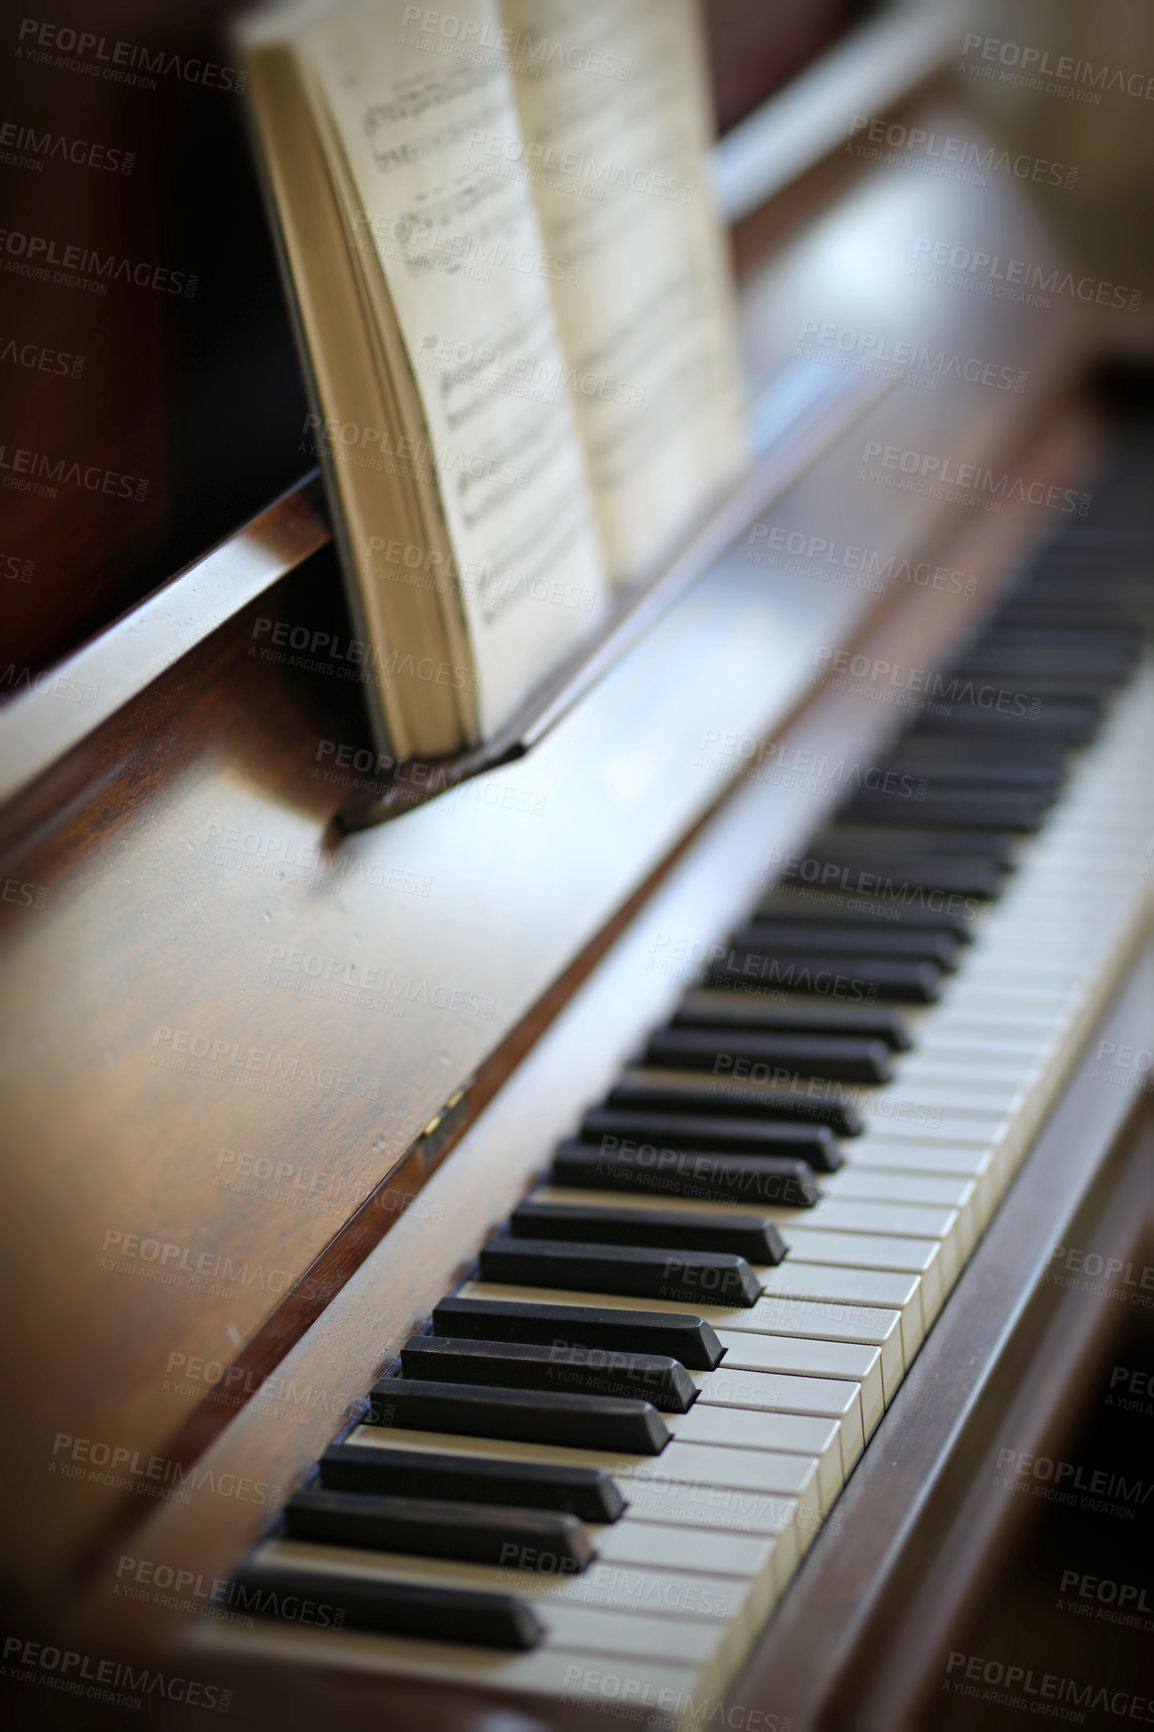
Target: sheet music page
(615, 124)
(470, 278)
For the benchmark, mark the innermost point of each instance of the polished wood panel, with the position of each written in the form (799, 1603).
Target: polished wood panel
(37, 728)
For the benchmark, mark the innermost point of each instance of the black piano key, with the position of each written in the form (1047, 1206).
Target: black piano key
(905, 832)
(897, 875)
(1059, 709)
(750, 1236)
(1057, 603)
(635, 1271)
(838, 1056)
(1089, 690)
(585, 1492)
(899, 979)
(652, 1377)
(636, 1124)
(676, 1335)
(743, 1117)
(1057, 724)
(324, 1599)
(695, 1175)
(945, 775)
(1050, 612)
(1006, 653)
(427, 1528)
(980, 808)
(805, 938)
(1059, 625)
(1024, 754)
(1087, 681)
(519, 1415)
(1103, 640)
(804, 907)
(1068, 581)
(699, 1009)
(1057, 617)
(1046, 611)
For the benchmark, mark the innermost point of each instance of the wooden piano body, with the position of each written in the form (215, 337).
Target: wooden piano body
(268, 1087)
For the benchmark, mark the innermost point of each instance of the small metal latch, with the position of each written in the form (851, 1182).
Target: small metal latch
(442, 1126)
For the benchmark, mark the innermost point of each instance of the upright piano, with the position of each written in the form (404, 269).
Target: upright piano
(633, 1234)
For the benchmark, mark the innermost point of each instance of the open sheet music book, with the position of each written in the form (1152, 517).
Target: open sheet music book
(513, 298)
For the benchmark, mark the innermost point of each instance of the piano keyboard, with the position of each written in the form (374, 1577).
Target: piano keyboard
(593, 1473)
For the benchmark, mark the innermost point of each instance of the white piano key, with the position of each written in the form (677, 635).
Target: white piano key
(1021, 910)
(1005, 1140)
(736, 1414)
(855, 1325)
(1019, 932)
(732, 1406)
(1112, 878)
(944, 1082)
(1066, 843)
(816, 1377)
(711, 1645)
(1041, 892)
(1077, 951)
(882, 1289)
(986, 1163)
(987, 1129)
(739, 1426)
(897, 1220)
(657, 1592)
(855, 1184)
(716, 1553)
(699, 1510)
(641, 1202)
(925, 1258)
(839, 1322)
(922, 1098)
(980, 1165)
(790, 1523)
(757, 1565)
(954, 1035)
(730, 1532)
(836, 1214)
(610, 1608)
(776, 1473)
(995, 974)
(1006, 1004)
(567, 1673)
(948, 1029)
(566, 1296)
(808, 1358)
(957, 1065)
(1010, 966)
(600, 1301)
